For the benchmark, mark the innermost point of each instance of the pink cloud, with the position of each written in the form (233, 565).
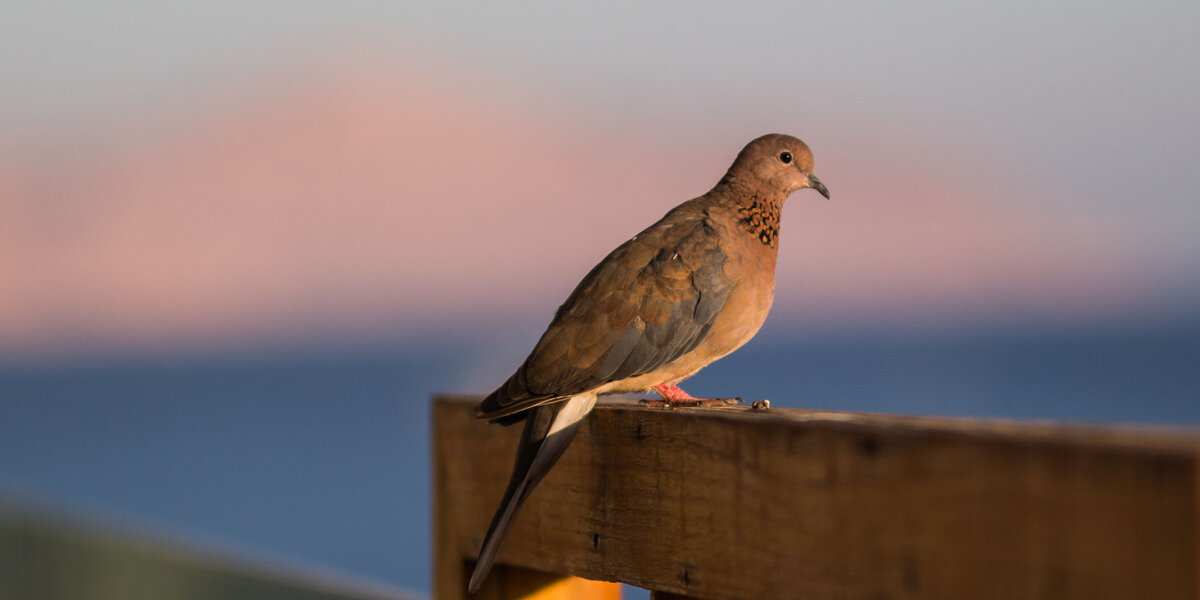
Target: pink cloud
(384, 198)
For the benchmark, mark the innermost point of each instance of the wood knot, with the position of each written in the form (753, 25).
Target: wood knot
(869, 446)
(686, 576)
(638, 435)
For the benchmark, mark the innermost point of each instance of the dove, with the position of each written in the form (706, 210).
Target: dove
(686, 291)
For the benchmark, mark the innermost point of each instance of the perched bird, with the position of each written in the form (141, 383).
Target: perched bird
(684, 292)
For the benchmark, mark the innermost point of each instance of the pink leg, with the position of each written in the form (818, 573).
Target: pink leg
(672, 393)
(673, 396)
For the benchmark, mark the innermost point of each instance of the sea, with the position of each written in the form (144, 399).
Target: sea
(322, 458)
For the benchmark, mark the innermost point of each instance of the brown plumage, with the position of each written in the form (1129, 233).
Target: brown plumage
(681, 294)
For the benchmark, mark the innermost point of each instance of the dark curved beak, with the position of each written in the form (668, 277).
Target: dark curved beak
(817, 185)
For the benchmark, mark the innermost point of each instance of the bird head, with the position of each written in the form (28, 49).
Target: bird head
(779, 162)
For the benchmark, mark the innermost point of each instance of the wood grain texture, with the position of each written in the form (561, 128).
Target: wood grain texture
(734, 503)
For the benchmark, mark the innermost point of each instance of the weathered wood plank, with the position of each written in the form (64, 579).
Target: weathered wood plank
(452, 566)
(731, 503)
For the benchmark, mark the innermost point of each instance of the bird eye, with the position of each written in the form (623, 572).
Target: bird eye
(785, 156)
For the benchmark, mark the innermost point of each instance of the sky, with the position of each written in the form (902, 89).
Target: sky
(201, 176)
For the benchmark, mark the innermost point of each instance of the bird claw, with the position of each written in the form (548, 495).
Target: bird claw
(674, 397)
(691, 402)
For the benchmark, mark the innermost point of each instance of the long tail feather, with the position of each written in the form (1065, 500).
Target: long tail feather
(548, 431)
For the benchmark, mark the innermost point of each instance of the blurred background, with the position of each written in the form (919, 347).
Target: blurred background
(241, 244)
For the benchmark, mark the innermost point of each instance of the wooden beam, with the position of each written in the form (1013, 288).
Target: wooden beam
(452, 566)
(735, 503)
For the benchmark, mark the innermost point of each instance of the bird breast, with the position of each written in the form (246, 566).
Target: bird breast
(750, 269)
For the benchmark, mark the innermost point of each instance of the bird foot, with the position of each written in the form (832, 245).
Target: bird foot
(692, 403)
(674, 397)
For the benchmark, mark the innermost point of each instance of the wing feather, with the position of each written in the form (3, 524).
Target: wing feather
(650, 301)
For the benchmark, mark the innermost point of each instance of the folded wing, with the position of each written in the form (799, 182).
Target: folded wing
(647, 303)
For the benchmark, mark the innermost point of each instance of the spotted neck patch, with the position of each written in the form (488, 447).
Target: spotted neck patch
(760, 217)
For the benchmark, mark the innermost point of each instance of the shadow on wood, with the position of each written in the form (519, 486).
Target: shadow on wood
(734, 503)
